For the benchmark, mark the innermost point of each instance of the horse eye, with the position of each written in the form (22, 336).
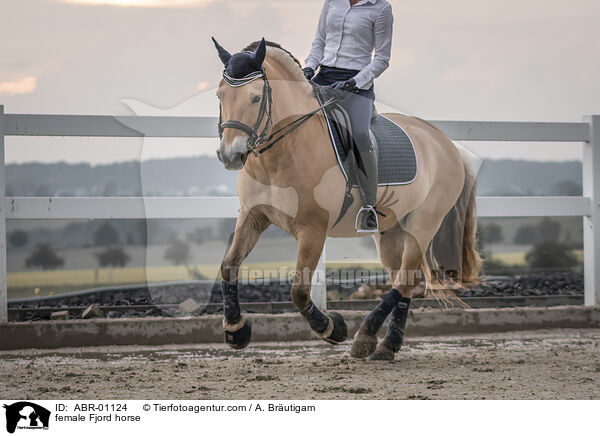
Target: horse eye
(255, 99)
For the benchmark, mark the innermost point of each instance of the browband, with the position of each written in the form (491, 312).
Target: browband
(235, 82)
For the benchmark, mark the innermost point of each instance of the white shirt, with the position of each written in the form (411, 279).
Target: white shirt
(347, 35)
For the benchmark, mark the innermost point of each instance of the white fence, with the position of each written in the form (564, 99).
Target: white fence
(588, 206)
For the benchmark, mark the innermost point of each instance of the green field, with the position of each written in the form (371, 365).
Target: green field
(24, 284)
(518, 258)
(28, 284)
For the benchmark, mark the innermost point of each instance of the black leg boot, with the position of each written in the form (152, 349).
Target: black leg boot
(366, 220)
(395, 334)
(238, 330)
(365, 339)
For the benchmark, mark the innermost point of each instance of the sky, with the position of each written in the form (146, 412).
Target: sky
(510, 60)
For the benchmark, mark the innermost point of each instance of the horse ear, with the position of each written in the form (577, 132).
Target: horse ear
(260, 52)
(223, 54)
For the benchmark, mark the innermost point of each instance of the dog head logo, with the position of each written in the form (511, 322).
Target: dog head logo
(26, 415)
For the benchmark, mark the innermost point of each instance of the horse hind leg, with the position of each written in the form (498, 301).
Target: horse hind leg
(405, 280)
(394, 337)
(390, 246)
(401, 254)
(421, 226)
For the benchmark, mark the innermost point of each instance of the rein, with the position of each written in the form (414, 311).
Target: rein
(256, 139)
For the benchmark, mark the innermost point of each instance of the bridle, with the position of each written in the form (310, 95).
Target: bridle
(256, 139)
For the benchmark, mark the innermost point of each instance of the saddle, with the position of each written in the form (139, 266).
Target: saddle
(397, 163)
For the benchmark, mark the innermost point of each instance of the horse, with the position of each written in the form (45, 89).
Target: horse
(275, 134)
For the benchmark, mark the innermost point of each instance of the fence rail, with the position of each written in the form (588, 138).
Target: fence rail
(227, 207)
(206, 127)
(587, 206)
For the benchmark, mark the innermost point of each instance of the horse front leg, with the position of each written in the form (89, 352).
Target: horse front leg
(331, 327)
(249, 226)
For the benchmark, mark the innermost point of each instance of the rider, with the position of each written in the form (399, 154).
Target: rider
(347, 33)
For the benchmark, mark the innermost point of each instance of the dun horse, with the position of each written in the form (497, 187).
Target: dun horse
(275, 134)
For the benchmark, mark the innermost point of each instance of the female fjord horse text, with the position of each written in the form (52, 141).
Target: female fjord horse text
(289, 177)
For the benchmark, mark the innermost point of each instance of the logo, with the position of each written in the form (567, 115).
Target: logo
(26, 415)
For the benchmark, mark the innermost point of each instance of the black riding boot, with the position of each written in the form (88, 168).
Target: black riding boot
(366, 220)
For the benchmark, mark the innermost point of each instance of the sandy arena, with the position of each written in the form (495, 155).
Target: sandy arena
(548, 364)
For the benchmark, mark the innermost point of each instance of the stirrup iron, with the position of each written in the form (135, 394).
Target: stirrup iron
(357, 226)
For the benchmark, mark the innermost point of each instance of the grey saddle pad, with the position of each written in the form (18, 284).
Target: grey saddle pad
(397, 158)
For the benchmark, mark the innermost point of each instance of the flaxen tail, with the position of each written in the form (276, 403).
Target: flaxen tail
(453, 252)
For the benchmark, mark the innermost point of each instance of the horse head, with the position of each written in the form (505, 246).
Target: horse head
(244, 103)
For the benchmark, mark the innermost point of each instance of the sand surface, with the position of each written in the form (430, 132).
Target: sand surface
(548, 364)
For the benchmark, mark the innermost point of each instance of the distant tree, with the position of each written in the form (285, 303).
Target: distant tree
(548, 230)
(525, 235)
(141, 231)
(225, 228)
(551, 254)
(200, 235)
(74, 227)
(130, 238)
(567, 188)
(106, 235)
(491, 233)
(44, 256)
(43, 191)
(18, 238)
(110, 189)
(113, 256)
(492, 265)
(172, 236)
(159, 232)
(178, 252)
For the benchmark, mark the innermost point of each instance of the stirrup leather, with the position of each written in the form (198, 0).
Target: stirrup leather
(357, 226)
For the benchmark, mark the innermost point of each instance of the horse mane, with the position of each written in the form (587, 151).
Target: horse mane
(283, 57)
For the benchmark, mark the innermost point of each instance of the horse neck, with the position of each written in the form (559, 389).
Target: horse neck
(291, 100)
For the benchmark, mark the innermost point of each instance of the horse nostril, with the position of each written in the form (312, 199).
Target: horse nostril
(219, 156)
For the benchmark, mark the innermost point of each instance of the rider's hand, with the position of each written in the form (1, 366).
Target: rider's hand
(345, 85)
(308, 72)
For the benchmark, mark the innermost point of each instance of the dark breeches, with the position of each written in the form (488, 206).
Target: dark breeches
(358, 104)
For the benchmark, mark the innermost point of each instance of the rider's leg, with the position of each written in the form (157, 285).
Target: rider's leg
(359, 106)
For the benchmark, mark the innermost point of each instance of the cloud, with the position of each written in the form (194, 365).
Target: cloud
(142, 3)
(24, 85)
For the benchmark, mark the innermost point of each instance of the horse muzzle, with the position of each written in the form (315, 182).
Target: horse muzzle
(233, 156)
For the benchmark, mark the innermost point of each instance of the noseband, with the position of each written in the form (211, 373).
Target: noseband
(256, 139)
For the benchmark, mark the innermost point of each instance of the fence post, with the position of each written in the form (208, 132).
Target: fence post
(591, 223)
(3, 289)
(318, 289)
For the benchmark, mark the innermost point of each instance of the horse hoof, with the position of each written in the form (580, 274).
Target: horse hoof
(363, 345)
(240, 337)
(382, 352)
(340, 329)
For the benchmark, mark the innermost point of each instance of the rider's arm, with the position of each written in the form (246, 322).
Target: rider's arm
(318, 46)
(383, 48)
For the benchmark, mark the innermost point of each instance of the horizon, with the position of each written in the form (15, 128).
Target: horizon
(101, 164)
